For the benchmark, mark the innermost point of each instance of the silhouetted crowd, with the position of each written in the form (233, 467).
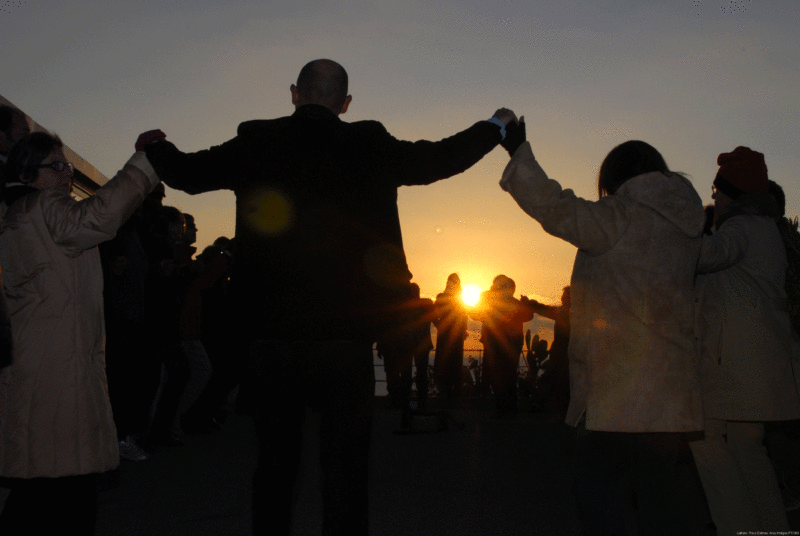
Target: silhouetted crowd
(170, 358)
(679, 326)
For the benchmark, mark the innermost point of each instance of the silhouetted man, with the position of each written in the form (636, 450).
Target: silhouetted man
(319, 274)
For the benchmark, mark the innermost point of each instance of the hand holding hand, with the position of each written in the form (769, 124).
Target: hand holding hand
(146, 138)
(506, 116)
(515, 136)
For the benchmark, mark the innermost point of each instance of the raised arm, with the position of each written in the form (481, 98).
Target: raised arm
(592, 226)
(194, 173)
(80, 225)
(425, 162)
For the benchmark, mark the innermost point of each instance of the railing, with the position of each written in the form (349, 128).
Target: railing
(473, 360)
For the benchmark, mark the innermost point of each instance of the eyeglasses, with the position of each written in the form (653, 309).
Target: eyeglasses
(58, 166)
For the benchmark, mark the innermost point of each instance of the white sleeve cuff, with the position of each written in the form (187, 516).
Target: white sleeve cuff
(500, 124)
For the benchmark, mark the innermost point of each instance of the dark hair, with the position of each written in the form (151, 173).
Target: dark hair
(502, 280)
(28, 153)
(626, 161)
(7, 115)
(776, 191)
(323, 82)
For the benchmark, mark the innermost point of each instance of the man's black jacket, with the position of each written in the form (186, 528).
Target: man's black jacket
(319, 252)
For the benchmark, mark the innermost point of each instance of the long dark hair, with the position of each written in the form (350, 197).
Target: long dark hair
(625, 161)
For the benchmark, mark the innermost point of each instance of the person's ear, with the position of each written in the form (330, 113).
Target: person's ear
(295, 94)
(347, 101)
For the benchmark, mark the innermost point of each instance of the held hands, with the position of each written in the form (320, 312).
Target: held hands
(515, 135)
(505, 115)
(146, 138)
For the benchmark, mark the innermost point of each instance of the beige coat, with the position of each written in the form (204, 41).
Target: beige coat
(747, 343)
(55, 417)
(633, 365)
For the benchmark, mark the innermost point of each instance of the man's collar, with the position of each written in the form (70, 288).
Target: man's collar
(315, 110)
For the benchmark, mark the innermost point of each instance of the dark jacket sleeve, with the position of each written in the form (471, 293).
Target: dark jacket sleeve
(425, 162)
(198, 172)
(548, 311)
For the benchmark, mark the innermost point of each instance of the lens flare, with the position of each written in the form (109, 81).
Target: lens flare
(269, 211)
(470, 294)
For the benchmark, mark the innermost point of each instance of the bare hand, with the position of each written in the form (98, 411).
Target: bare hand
(505, 115)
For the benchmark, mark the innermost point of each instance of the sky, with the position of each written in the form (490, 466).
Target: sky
(693, 78)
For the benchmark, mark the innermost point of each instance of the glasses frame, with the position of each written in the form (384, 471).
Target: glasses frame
(58, 166)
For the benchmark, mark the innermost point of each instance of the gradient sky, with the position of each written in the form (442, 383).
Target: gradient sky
(692, 77)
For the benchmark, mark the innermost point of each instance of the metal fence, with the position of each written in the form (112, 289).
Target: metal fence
(473, 362)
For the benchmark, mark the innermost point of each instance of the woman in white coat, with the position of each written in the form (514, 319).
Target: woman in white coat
(56, 429)
(633, 368)
(747, 348)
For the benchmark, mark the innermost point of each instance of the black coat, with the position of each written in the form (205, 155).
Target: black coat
(319, 251)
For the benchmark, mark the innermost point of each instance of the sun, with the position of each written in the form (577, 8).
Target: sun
(470, 294)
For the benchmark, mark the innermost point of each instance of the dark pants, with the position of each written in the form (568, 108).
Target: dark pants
(448, 364)
(501, 365)
(421, 360)
(134, 373)
(178, 372)
(338, 379)
(50, 506)
(227, 368)
(625, 480)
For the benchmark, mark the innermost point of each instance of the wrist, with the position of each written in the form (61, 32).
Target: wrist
(500, 124)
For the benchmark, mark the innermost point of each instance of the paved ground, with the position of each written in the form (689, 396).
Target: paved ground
(508, 477)
(493, 477)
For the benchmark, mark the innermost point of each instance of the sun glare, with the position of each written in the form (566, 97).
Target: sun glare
(470, 294)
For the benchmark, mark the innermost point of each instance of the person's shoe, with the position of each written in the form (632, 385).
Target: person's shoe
(129, 450)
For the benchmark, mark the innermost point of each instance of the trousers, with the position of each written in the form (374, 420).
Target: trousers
(337, 379)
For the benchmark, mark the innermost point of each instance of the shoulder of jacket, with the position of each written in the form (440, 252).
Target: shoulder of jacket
(368, 124)
(257, 126)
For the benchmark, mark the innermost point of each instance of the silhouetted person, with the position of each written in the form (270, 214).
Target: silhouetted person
(407, 344)
(221, 345)
(451, 330)
(632, 363)
(56, 429)
(194, 279)
(787, 465)
(133, 361)
(319, 273)
(538, 369)
(424, 314)
(748, 351)
(168, 259)
(502, 316)
(557, 375)
(13, 127)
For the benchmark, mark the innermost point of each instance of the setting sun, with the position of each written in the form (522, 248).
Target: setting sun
(470, 294)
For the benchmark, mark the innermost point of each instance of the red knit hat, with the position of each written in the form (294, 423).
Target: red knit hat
(742, 171)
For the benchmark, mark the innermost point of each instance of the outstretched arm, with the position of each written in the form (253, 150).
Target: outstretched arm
(194, 173)
(425, 162)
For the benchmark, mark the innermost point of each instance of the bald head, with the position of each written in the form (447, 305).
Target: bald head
(322, 82)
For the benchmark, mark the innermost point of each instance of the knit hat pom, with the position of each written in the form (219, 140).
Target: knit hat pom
(744, 169)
